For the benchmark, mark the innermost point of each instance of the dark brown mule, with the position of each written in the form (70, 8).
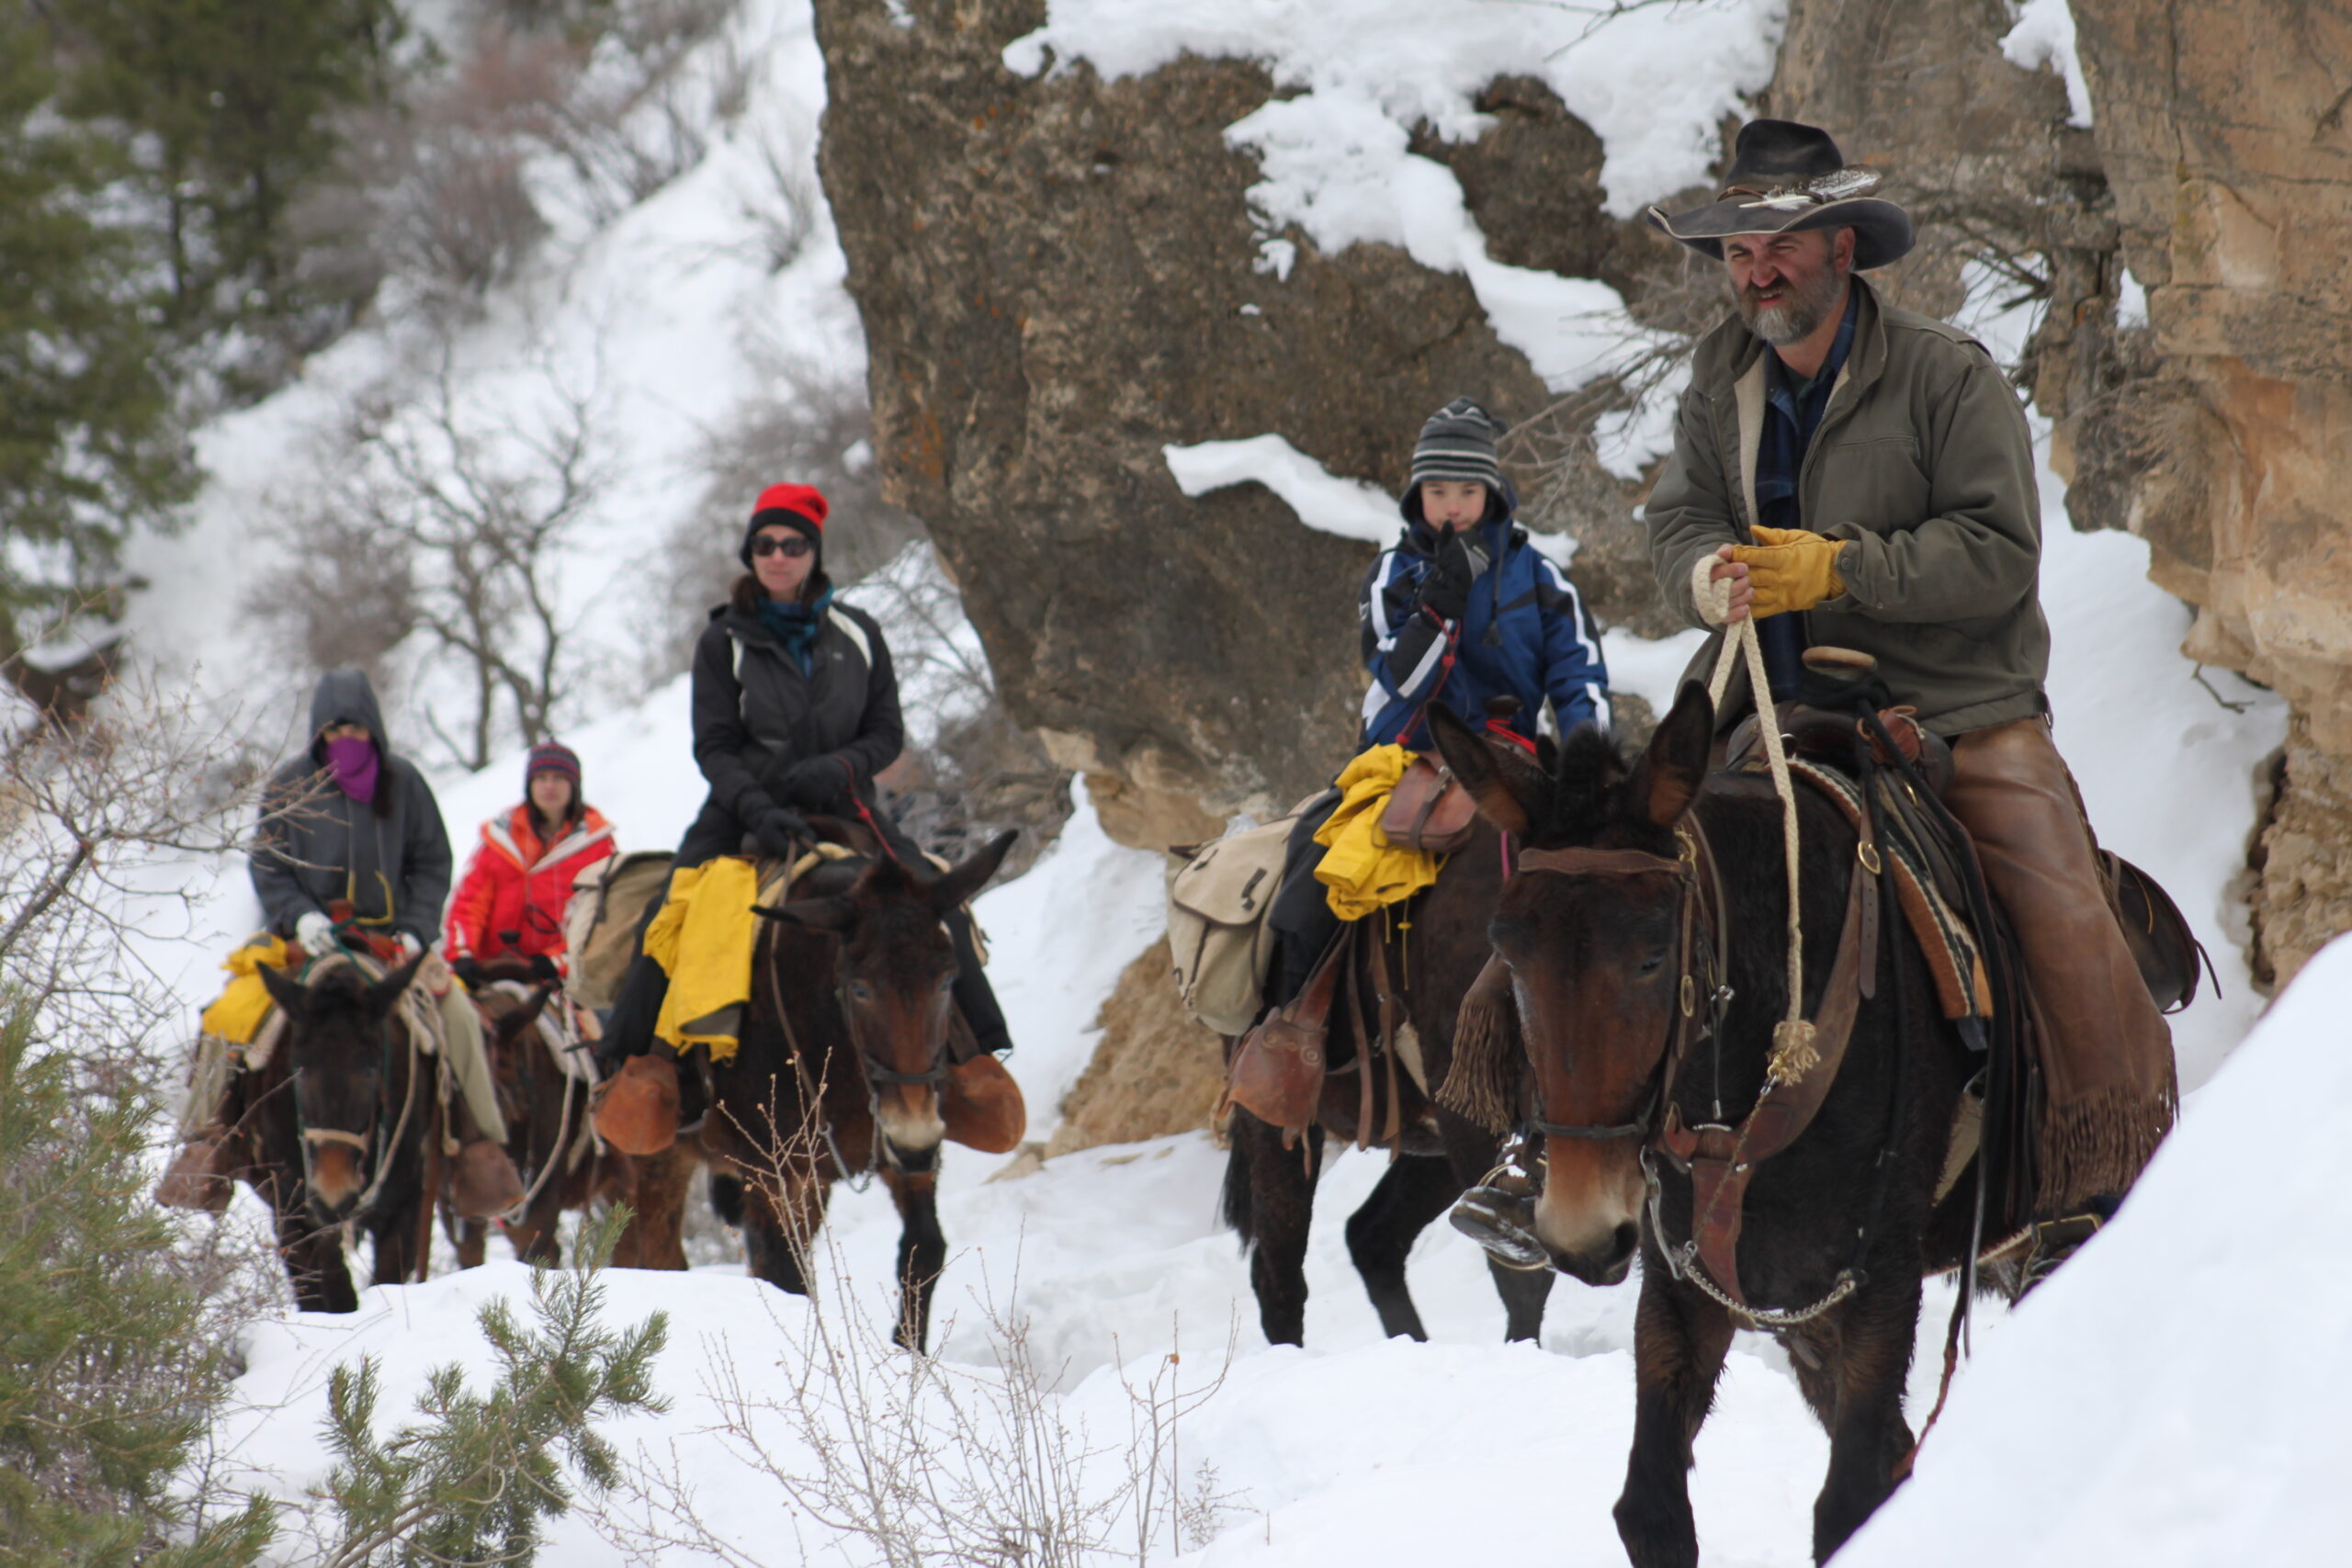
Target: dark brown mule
(1430, 955)
(546, 1110)
(1604, 952)
(839, 1071)
(341, 1125)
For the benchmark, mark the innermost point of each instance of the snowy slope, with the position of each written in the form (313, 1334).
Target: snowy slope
(2176, 1396)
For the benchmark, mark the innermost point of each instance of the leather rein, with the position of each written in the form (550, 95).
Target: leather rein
(1721, 1157)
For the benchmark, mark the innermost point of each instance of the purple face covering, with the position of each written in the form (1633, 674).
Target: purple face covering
(354, 763)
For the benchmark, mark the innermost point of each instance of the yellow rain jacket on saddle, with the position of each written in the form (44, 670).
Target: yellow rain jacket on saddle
(237, 1013)
(704, 939)
(1360, 870)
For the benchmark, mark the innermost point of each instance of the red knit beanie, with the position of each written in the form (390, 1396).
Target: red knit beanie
(798, 507)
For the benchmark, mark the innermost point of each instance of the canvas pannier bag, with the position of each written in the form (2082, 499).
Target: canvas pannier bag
(1218, 937)
(600, 922)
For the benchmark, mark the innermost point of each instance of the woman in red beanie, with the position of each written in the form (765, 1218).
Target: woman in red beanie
(510, 902)
(795, 708)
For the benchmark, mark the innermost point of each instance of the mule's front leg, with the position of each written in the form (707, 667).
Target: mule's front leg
(923, 1251)
(1868, 1436)
(1679, 1340)
(782, 1208)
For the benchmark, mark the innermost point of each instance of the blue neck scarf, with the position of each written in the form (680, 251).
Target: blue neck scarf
(796, 625)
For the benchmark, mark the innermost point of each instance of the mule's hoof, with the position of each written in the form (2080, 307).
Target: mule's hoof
(201, 1176)
(636, 1109)
(484, 1183)
(1504, 1223)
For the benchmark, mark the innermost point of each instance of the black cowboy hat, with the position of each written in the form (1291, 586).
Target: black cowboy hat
(1786, 178)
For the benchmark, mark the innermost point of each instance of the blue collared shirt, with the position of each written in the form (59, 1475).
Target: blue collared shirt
(1792, 411)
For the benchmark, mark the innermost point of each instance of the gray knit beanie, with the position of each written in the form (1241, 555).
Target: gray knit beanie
(1458, 443)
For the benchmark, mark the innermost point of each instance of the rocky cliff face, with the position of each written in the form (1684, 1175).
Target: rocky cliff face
(2227, 439)
(1059, 275)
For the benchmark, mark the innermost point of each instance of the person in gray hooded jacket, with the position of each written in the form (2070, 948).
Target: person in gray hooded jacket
(349, 822)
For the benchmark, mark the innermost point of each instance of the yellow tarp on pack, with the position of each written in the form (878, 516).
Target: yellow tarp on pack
(703, 940)
(1360, 870)
(236, 1015)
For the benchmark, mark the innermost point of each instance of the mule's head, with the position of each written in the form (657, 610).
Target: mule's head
(335, 1046)
(1594, 958)
(895, 974)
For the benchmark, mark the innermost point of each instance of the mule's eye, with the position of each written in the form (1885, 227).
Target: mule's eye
(948, 982)
(860, 991)
(1655, 962)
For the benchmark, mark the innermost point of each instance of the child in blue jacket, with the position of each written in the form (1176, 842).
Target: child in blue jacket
(1460, 609)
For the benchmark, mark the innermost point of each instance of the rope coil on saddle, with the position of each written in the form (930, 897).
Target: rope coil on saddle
(1793, 1038)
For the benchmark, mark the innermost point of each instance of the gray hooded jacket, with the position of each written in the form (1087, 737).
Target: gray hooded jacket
(389, 858)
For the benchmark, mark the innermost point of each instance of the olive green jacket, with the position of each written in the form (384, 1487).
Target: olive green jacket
(1923, 463)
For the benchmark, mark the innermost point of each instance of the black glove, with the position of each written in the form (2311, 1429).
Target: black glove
(815, 781)
(777, 828)
(543, 969)
(1445, 589)
(470, 971)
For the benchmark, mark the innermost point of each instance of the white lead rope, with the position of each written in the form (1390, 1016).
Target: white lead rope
(1793, 1051)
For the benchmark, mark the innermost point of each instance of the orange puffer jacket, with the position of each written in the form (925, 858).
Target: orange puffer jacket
(511, 899)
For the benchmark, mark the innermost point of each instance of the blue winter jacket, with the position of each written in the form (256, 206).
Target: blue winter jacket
(1545, 646)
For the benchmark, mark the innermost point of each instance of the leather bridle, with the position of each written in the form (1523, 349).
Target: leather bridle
(1697, 948)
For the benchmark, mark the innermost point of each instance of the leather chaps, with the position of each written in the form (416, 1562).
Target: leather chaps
(2109, 1087)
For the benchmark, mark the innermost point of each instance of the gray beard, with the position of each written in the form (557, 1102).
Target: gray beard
(1796, 318)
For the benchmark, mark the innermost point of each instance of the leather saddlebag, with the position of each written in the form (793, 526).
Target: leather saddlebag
(1429, 810)
(1277, 1070)
(2167, 951)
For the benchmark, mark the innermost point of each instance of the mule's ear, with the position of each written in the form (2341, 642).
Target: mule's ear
(385, 994)
(1674, 764)
(511, 1026)
(1509, 785)
(818, 914)
(287, 992)
(957, 885)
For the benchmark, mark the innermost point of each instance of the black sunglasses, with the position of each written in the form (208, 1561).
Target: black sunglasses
(795, 547)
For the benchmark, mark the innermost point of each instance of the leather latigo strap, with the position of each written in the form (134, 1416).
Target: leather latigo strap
(1721, 1161)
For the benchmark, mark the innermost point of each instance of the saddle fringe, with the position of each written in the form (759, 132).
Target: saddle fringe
(2096, 1145)
(1482, 1083)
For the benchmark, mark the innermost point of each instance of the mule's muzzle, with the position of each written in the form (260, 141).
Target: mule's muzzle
(337, 1174)
(1607, 1265)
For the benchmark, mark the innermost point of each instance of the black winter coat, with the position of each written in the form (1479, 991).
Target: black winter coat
(755, 714)
(389, 858)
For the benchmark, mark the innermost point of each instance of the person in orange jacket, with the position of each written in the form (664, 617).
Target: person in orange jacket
(510, 903)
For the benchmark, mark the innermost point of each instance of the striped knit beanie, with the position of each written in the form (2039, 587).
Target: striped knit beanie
(1458, 443)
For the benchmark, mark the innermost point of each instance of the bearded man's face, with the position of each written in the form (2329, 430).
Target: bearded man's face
(1784, 285)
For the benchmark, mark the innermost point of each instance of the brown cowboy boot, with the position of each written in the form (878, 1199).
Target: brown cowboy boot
(982, 1107)
(483, 1185)
(1498, 1213)
(637, 1108)
(202, 1174)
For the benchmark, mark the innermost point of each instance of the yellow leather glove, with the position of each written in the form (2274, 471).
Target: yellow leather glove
(1790, 569)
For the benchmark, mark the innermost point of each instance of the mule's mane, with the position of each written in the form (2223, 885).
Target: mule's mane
(1586, 770)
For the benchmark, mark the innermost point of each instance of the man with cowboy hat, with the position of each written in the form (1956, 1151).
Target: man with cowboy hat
(1861, 476)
